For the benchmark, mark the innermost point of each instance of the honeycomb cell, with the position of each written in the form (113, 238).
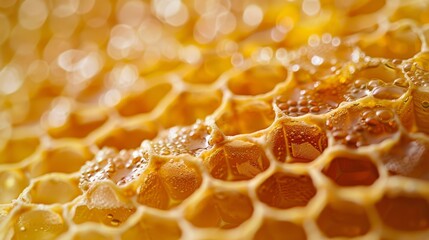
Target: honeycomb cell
(211, 68)
(78, 124)
(51, 191)
(12, 182)
(380, 73)
(236, 160)
(220, 209)
(284, 191)
(400, 42)
(355, 127)
(143, 102)
(104, 205)
(127, 136)
(65, 159)
(90, 234)
(235, 117)
(405, 213)
(17, 149)
(149, 228)
(39, 224)
(168, 184)
(280, 230)
(343, 219)
(351, 170)
(408, 158)
(257, 80)
(190, 106)
(297, 142)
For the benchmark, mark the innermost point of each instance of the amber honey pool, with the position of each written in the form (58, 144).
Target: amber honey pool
(217, 119)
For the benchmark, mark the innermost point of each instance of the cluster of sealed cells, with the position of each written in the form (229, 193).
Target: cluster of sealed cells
(215, 119)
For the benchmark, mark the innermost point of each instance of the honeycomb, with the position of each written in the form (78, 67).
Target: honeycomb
(220, 119)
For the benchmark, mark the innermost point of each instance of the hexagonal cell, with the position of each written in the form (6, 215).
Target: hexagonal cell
(245, 116)
(236, 160)
(379, 74)
(411, 11)
(352, 170)
(190, 106)
(297, 142)
(83, 234)
(356, 126)
(343, 219)
(65, 159)
(103, 204)
(12, 182)
(19, 148)
(220, 209)
(257, 80)
(143, 102)
(127, 136)
(405, 213)
(149, 228)
(367, 7)
(78, 124)
(209, 71)
(39, 224)
(400, 42)
(54, 190)
(284, 190)
(168, 183)
(408, 157)
(280, 230)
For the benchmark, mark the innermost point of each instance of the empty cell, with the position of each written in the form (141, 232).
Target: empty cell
(63, 159)
(404, 213)
(280, 230)
(400, 42)
(245, 116)
(220, 209)
(148, 227)
(343, 219)
(51, 191)
(143, 102)
(257, 80)
(189, 107)
(12, 182)
(39, 224)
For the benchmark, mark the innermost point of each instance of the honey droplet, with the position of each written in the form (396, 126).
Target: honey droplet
(115, 222)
